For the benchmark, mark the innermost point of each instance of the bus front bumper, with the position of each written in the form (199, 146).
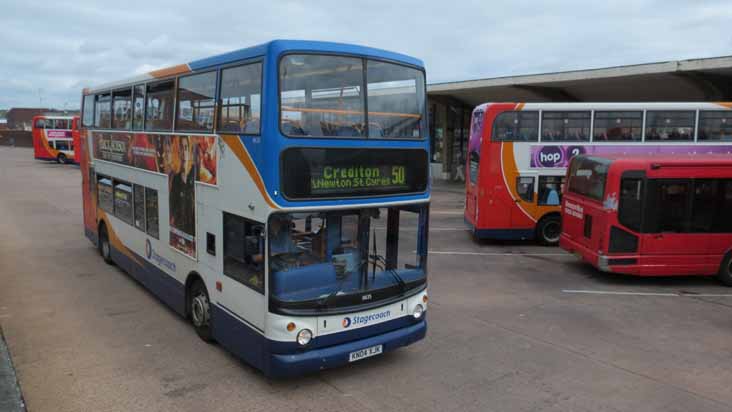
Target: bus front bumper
(287, 365)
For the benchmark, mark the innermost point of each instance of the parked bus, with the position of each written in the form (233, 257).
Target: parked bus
(277, 196)
(518, 154)
(52, 138)
(650, 215)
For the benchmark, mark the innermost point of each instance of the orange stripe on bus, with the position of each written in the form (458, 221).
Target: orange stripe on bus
(114, 240)
(241, 153)
(725, 104)
(510, 170)
(170, 71)
(520, 106)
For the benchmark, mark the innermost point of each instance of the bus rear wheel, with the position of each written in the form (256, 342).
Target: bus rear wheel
(61, 158)
(200, 311)
(105, 249)
(725, 271)
(548, 230)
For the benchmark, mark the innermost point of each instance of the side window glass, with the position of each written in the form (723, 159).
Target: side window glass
(88, 115)
(138, 107)
(139, 210)
(618, 126)
(669, 211)
(241, 96)
(525, 188)
(103, 112)
(123, 202)
(121, 109)
(40, 123)
(104, 195)
(151, 212)
(196, 102)
(244, 251)
(705, 205)
(516, 126)
(715, 125)
(670, 125)
(474, 166)
(630, 203)
(550, 190)
(159, 110)
(565, 126)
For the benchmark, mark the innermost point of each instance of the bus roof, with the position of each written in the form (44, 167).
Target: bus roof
(621, 106)
(274, 47)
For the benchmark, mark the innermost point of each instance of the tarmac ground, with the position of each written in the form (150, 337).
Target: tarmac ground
(512, 327)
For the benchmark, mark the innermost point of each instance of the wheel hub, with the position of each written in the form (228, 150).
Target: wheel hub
(200, 310)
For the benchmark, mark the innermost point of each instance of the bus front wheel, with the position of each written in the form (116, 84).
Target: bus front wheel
(548, 230)
(200, 310)
(61, 159)
(104, 247)
(725, 271)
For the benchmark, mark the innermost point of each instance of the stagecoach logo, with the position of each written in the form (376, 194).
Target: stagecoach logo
(366, 319)
(157, 259)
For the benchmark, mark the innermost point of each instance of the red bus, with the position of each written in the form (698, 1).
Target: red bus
(53, 138)
(519, 152)
(650, 216)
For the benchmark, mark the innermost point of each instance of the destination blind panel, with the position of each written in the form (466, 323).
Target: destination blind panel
(336, 173)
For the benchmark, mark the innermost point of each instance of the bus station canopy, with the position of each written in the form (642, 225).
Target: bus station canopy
(708, 79)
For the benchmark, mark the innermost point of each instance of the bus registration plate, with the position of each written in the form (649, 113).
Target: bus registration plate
(365, 353)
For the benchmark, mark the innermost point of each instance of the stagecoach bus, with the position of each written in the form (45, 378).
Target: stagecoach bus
(651, 215)
(519, 152)
(53, 138)
(277, 196)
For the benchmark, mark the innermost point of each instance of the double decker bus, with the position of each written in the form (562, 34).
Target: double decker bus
(519, 152)
(53, 138)
(277, 196)
(650, 215)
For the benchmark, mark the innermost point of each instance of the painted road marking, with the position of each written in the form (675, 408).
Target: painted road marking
(668, 294)
(451, 252)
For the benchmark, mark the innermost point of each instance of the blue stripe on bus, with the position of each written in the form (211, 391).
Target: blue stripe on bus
(274, 358)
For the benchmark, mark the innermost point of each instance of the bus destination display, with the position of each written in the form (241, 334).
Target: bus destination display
(319, 173)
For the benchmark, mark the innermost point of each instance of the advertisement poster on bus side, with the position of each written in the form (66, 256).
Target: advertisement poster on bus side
(560, 155)
(184, 159)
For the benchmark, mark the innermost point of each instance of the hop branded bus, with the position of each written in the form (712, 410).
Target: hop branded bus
(650, 215)
(53, 138)
(519, 152)
(277, 196)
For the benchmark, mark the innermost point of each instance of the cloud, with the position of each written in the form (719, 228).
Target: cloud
(61, 47)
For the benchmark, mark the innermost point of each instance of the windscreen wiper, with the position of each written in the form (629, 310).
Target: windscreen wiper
(392, 272)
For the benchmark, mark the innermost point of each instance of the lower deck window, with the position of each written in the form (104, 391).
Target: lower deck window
(123, 202)
(244, 251)
(104, 194)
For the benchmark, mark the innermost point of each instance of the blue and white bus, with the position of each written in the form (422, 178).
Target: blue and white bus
(277, 196)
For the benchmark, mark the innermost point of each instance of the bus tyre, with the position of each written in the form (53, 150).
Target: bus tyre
(200, 311)
(105, 249)
(548, 230)
(725, 271)
(61, 158)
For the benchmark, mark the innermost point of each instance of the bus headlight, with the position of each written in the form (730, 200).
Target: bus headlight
(418, 311)
(304, 337)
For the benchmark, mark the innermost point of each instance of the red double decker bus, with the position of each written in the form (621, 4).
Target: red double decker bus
(53, 138)
(650, 216)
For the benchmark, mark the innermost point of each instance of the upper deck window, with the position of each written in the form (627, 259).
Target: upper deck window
(196, 102)
(138, 107)
(103, 112)
(565, 126)
(618, 126)
(325, 96)
(715, 125)
(670, 125)
(241, 99)
(516, 126)
(88, 119)
(395, 100)
(322, 96)
(121, 109)
(159, 110)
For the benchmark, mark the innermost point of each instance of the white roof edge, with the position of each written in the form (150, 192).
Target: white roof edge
(587, 74)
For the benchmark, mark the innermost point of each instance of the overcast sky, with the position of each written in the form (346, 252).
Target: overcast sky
(51, 50)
